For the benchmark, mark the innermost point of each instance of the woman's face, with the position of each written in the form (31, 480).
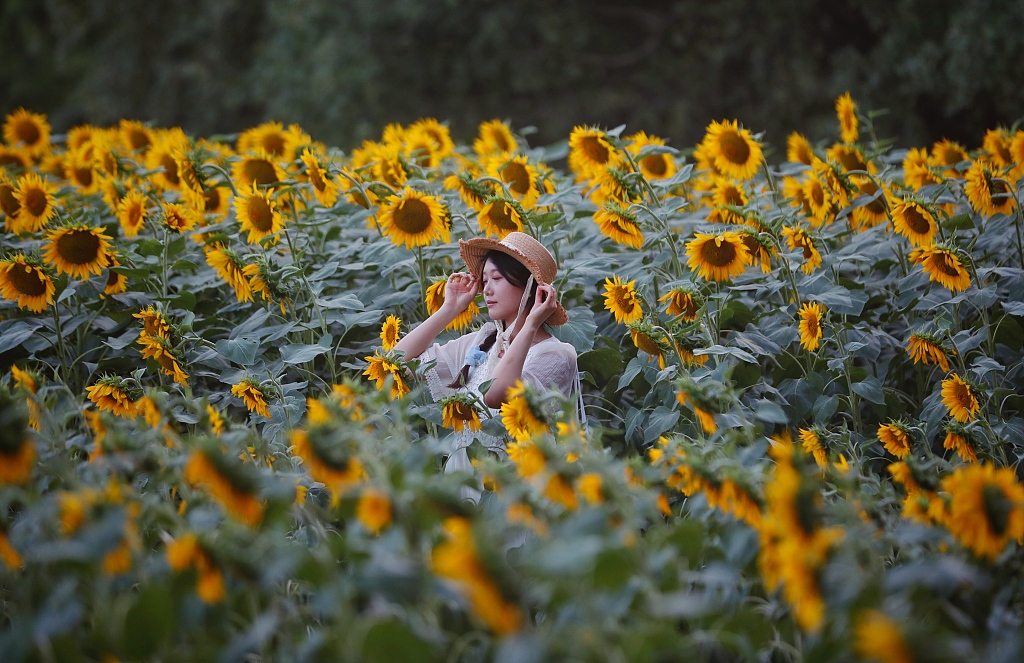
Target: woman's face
(501, 297)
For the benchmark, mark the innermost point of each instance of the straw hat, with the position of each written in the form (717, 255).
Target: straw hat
(528, 251)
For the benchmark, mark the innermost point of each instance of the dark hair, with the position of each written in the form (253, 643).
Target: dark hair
(517, 274)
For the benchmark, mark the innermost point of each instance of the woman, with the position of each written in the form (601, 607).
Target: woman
(515, 277)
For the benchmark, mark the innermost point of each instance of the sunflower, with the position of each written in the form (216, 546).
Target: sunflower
(521, 420)
(873, 213)
(924, 348)
(704, 416)
(17, 458)
(111, 394)
(23, 280)
(254, 396)
(473, 193)
(797, 238)
(811, 331)
(266, 284)
(388, 167)
(500, 216)
(846, 110)
(895, 436)
(621, 299)
(653, 166)
(331, 465)
(959, 440)
(135, 136)
(116, 283)
(390, 332)
(132, 212)
(435, 299)
(228, 481)
(27, 380)
(614, 185)
(380, 368)
(590, 151)
(191, 180)
(160, 157)
(324, 188)
(415, 219)
(811, 441)
(269, 137)
(684, 301)
(216, 420)
(987, 508)
(618, 223)
(79, 167)
(718, 257)
(847, 156)
(154, 324)
(27, 131)
(943, 265)
(996, 145)
(459, 413)
(8, 555)
(947, 153)
(230, 267)
(959, 398)
(37, 202)
(257, 213)
(912, 220)
(759, 248)
(421, 148)
(256, 168)
(734, 151)
(438, 133)
(373, 509)
(78, 250)
(987, 194)
(649, 339)
(818, 200)
(798, 149)
(878, 638)
(521, 178)
(178, 218)
(495, 137)
(14, 159)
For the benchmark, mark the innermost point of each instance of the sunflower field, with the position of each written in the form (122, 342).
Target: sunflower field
(802, 369)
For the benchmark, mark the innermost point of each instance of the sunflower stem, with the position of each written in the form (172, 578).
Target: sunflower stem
(1020, 222)
(60, 343)
(854, 398)
(422, 275)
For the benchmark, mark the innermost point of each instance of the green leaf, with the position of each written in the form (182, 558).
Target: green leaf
(770, 412)
(602, 363)
(149, 623)
(871, 389)
(825, 407)
(241, 350)
(17, 332)
(579, 331)
(959, 222)
(660, 421)
(391, 640)
(296, 353)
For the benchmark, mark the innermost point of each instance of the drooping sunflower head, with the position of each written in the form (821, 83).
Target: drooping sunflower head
(650, 339)
(812, 316)
(718, 257)
(500, 216)
(620, 224)
(960, 398)
(895, 436)
(872, 212)
(390, 332)
(685, 301)
(622, 300)
(382, 367)
(472, 192)
(114, 394)
(329, 455)
(27, 131)
(80, 170)
(523, 414)
(960, 440)
(230, 267)
(590, 150)
(460, 413)
(254, 395)
(986, 193)
(926, 348)
(848, 157)
(733, 150)
(24, 280)
(415, 219)
(232, 483)
(494, 137)
(798, 238)
(78, 250)
(846, 111)
(798, 149)
(913, 220)
(325, 189)
(36, 200)
(944, 264)
(257, 212)
(760, 246)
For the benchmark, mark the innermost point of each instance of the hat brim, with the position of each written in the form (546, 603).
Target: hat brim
(474, 250)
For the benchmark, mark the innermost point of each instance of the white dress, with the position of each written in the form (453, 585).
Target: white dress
(550, 364)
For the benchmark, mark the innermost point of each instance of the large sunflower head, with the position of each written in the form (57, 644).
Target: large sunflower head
(135, 136)
(650, 339)
(797, 238)
(944, 265)
(178, 218)
(846, 111)
(960, 398)
(23, 280)
(389, 167)
(618, 223)
(655, 164)
(947, 153)
(78, 250)
(500, 216)
(873, 212)
(11, 159)
(913, 220)
(521, 178)
(718, 257)
(37, 204)
(590, 151)
(986, 193)
(81, 171)
(622, 300)
(390, 332)
(460, 413)
(415, 219)
(382, 367)
(812, 316)
(437, 132)
(269, 137)
(256, 167)
(848, 157)
(114, 394)
(895, 437)
(733, 150)
(257, 213)
(325, 189)
(435, 299)
(27, 131)
(986, 512)
(495, 137)
(996, 146)
(925, 348)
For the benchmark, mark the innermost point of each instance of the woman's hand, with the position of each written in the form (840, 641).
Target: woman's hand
(545, 303)
(460, 291)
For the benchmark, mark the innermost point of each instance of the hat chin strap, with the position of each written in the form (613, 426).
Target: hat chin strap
(504, 336)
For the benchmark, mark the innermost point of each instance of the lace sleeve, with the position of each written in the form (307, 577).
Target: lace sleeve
(450, 358)
(551, 366)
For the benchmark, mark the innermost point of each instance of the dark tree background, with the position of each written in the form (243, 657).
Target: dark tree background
(344, 69)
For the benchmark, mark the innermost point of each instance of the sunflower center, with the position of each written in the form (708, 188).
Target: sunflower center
(623, 300)
(412, 216)
(501, 141)
(817, 194)
(26, 280)
(517, 178)
(963, 398)
(317, 180)
(8, 202)
(719, 252)
(170, 169)
(734, 147)
(916, 221)
(82, 175)
(28, 132)
(876, 206)
(950, 157)
(813, 325)
(79, 247)
(260, 215)
(212, 198)
(732, 196)
(11, 159)
(997, 508)
(260, 171)
(134, 214)
(944, 263)
(112, 278)
(462, 411)
(594, 150)
(647, 344)
(35, 201)
(999, 190)
(655, 164)
(138, 139)
(273, 143)
(501, 217)
(852, 160)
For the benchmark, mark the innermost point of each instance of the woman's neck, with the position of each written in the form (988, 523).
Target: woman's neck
(540, 335)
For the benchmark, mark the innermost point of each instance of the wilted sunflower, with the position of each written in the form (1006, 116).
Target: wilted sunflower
(334, 466)
(987, 508)
(759, 248)
(846, 110)
(797, 238)
(735, 152)
(495, 137)
(986, 193)
(717, 257)
(231, 268)
(895, 436)
(380, 368)
(132, 212)
(324, 188)
(435, 299)
(23, 280)
(683, 301)
(811, 331)
(27, 131)
(37, 202)
(253, 395)
(618, 223)
(521, 420)
(943, 265)
(230, 482)
(78, 250)
(924, 348)
(912, 220)
(798, 149)
(621, 299)
(959, 398)
(459, 413)
(154, 324)
(590, 151)
(521, 177)
(415, 219)
(705, 416)
(257, 213)
(160, 350)
(112, 394)
(958, 439)
(390, 332)
(264, 283)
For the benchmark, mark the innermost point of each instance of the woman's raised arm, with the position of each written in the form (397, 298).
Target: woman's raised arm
(458, 295)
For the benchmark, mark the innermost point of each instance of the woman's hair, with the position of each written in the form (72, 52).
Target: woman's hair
(517, 274)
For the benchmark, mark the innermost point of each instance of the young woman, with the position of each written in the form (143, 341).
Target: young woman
(515, 277)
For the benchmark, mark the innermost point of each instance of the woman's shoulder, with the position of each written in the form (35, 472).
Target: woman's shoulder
(554, 346)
